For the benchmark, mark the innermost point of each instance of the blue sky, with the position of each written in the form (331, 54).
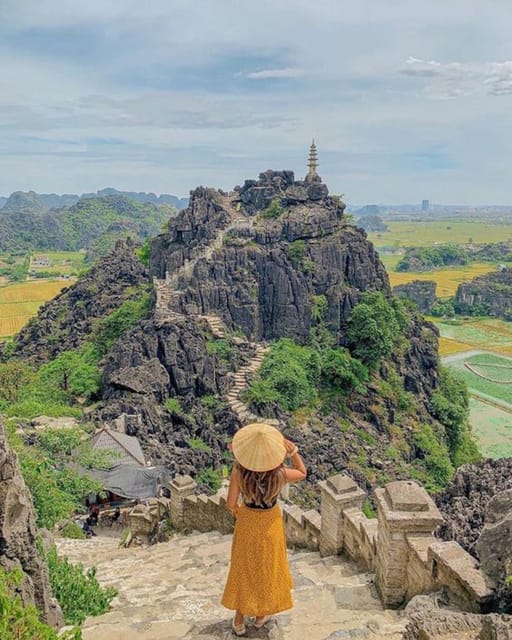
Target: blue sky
(406, 99)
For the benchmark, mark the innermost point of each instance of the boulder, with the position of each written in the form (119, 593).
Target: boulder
(18, 534)
(494, 546)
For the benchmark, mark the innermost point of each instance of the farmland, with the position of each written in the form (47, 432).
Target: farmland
(447, 279)
(422, 234)
(488, 334)
(19, 302)
(57, 262)
(492, 428)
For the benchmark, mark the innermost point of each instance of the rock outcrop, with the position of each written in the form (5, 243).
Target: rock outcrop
(67, 320)
(494, 546)
(464, 501)
(430, 620)
(18, 534)
(421, 292)
(490, 295)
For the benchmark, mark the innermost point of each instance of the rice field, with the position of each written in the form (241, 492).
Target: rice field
(60, 262)
(492, 428)
(447, 279)
(488, 376)
(421, 234)
(20, 301)
(488, 334)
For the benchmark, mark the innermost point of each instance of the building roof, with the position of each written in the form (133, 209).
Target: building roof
(128, 446)
(131, 480)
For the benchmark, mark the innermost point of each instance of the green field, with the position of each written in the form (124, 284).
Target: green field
(61, 262)
(490, 376)
(420, 234)
(492, 428)
(487, 334)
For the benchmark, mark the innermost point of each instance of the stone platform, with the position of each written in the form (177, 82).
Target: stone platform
(172, 590)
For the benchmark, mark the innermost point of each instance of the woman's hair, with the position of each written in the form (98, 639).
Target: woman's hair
(260, 487)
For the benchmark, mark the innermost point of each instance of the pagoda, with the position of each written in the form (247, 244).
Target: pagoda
(312, 175)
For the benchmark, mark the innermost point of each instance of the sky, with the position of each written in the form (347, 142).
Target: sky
(406, 100)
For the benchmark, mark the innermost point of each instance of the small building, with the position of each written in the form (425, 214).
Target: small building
(130, 478)
(128, 447)
(41, 261)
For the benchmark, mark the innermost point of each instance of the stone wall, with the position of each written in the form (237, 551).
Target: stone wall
(398, 545)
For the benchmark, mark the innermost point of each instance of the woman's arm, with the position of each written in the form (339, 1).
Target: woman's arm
(299, 472)
(233, 491)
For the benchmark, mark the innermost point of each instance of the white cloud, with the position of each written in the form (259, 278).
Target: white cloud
(265, 74)
(454, 79)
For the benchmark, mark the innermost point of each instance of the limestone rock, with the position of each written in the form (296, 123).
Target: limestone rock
(494, 546)
(67, 320)
(422, 292)
(490, 294)
(465, 499)
(18, 533)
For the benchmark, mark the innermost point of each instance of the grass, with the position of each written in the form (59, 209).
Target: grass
(20, 301)
(61, 262)
(483, 364)
(492, 428)
(447, 279)
(489, 334)
(421, 234)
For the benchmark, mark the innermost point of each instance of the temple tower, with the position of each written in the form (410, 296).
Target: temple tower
(312, 175)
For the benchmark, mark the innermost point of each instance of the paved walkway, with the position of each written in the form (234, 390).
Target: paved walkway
(172, 590)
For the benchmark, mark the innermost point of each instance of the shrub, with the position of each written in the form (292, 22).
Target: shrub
(341, 372)
(77, 591)
(221, 348)
(173, 405)
(14, 376)
(19, 621)
(450, 405)
(144, 252)
(210, 477)
(73, 531)
(76, 373)
(198, 444)
(274, 210)
(374, 328)
(436, 457)
(112, 327)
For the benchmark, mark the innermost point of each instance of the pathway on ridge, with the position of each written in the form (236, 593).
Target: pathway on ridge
(167, 295)
(172, 590)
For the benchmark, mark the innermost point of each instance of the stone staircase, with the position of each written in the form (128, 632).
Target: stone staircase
(167, 297)
(172, 591)
(241, 381)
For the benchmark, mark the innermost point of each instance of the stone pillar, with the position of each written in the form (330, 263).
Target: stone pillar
(404, 507)
(337, 493)
(180, 487)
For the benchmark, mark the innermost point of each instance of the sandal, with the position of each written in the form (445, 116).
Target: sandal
(262, 622)
(238, 629)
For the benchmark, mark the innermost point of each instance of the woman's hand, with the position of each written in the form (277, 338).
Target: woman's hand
(289, 446)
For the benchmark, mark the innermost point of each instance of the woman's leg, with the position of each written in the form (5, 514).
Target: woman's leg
(239, 618)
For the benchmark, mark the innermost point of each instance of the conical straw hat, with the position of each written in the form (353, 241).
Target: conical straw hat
(259, 447)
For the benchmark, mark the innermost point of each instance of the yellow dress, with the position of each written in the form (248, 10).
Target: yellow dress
(259, 581)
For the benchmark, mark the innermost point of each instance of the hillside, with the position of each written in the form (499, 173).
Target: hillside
(30, 200)
(489, 295)
(91, 223)
(351, 374)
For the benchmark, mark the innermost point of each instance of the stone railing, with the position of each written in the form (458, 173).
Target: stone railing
(398, 546)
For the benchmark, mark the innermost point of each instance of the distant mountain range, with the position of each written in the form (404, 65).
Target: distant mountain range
(92, 223)
(32, 202)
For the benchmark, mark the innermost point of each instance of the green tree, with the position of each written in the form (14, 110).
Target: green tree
(14, 376)
(77, 591)
(22, 622)
(73, 372)
(374, 328)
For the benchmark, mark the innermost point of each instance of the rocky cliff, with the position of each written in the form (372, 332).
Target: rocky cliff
(18, 537)
(465, 499)
(238, 270)
(67, 320)
(490, 294)
(421, 292)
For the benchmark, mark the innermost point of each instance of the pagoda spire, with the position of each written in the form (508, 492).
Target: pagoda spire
(312, 175)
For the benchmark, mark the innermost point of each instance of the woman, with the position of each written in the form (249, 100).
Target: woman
(259, 581)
